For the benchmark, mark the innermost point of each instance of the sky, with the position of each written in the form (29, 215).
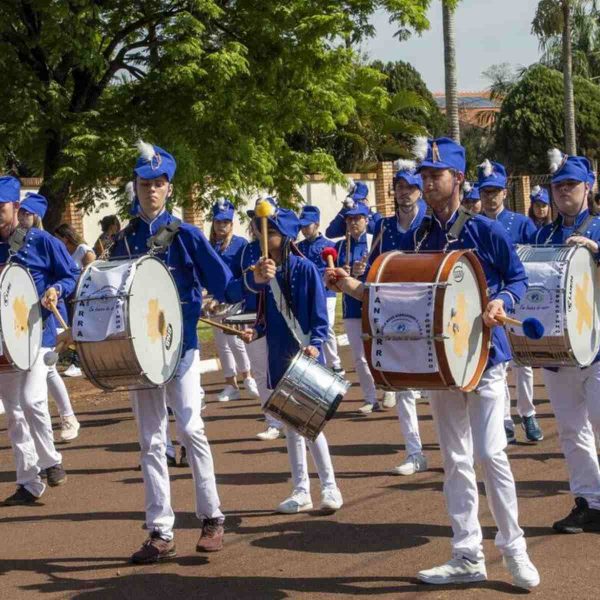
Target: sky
(488, 32)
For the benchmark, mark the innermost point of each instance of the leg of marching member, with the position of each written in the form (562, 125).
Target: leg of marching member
(415, 461)
(299, 500)
(525, 406)
(331, 497)
(230, 391)
(509, 425)
(69, 428)
(330, 349)
(367, 384)
(242, 361)
(29, 484)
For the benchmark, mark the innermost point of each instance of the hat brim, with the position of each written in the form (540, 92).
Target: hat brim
(570, 177)
(223, 217)
(540, 201)
(483, 186)
(307, 222)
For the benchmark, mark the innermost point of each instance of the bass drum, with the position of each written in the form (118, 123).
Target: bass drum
(128, 324)
(20, 319)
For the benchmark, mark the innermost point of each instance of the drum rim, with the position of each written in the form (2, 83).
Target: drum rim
(7, 353)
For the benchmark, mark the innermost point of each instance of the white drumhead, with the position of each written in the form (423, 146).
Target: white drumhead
(20, 316)
(155, 320)
(582, 306)
(463, 323)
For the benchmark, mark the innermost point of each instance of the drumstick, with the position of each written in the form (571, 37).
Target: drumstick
(329, 255)
(348, 243)
(222, 327)
(54, 310)
(532, 328)
(263, 211)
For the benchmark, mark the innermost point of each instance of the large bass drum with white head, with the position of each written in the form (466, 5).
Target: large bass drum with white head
(563, 294)
(127, 323)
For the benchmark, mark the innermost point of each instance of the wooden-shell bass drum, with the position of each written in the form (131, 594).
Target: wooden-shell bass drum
(422, 321)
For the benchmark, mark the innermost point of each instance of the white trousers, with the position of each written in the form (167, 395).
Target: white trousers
(58, 390)
(367, 384)
(469, 428)
(150, 409)
(575, 397)
(25, 396)
(524, 385)
(232, 352)
(330, 348)
(319, 449)
(406, 404)
(257, 352)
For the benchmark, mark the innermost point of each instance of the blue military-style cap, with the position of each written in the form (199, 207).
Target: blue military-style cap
(35, 204)
(310, 215)
(10, 189)
(491, 175)
(154, 162)
(223, 210)
(440, 153)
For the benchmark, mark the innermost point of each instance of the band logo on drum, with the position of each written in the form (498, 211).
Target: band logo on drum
(458, 273)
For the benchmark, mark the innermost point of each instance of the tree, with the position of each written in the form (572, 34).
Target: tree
(531, 120)
(222, 84)
(451, 76)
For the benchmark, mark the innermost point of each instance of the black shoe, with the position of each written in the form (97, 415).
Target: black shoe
(581, 518)
(532, 429)
(56, 475)
(339, 371)
(183, 461)
(510, 435)
(21, 497)
(171, 461)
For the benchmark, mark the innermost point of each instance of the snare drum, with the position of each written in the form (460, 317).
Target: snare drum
(563, 295)
(307, 396)
(127, 323)
(422, 321)
(240, 322)
(20, 319)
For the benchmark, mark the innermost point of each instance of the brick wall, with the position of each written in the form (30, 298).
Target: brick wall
(74, 217)
(384, 194)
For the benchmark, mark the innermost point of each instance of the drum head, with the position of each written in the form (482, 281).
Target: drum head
(462, 322)
(582, 306)
(20, 317)
(155, 320)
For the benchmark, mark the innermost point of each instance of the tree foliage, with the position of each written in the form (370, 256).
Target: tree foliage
(224, 84)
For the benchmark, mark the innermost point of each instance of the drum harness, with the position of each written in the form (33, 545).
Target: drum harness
(452, 236)
(579, 231)
(16, 241)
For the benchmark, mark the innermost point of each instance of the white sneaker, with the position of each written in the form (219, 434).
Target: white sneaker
(331, 500)
(69, 428)
(457, 570)
(415, 463)
(1, 408)
(72, 371)
(523, 571)
(367, 409)
(272, 433)
(250, 385)
(296, 503)
(229, 393)
(389, 399)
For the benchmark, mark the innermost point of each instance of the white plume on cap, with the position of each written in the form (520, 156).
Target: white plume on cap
(146, 150)
(420, 147)
(556, 157)
(221, 202)
(350, 185)
(467, 187)
(348, 202)
(130, 191)
(536, 190)
(486, 167)
(405, 165)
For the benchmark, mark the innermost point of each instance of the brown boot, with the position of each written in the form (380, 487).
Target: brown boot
(211, 538)
(154, 549)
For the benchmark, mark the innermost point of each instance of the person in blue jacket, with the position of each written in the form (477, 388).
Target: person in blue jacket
(194, 264)
(231, 350)
(358, 192)
(25, 393)
(311, 247)
(492, 188)
(573, 392)
(469, 425)
(292, 315)
(539, 210)
(471, 197)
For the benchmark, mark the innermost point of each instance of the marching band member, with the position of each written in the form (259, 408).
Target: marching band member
(575, 393)
(539, 210)
(469, 425)
(471, 197)
(492, 189)
(25, 394)
(232, 351)
(194, 264)
(389, 232)
(293, 316)
(311, 247)
(358, 193)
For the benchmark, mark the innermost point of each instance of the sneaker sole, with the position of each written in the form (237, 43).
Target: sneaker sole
(329, 510)
(204, 549)
(35, 502)
(58, 483)
(439, 580)
(155, 559)
(301, 509)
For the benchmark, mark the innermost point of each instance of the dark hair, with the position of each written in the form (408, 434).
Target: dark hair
(66, 232)
(547, 219)
(106, 222)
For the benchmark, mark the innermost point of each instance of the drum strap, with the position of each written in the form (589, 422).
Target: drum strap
(579, 231)
(16, 240)
(464, 215)
(288, 316)
(164, 237)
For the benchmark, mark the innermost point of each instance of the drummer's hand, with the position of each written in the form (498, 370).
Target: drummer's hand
(493, 309)
(210, 306)
(347, 269)
(580, 240)
(50, 297)
(359, 267)
(265, 270)
(332, 277)
(311, 351)
(249, 335)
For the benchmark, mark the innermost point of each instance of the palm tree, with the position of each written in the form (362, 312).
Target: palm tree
(448, 10)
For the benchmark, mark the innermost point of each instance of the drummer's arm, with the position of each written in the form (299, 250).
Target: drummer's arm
(338, 280)
(64, 271)
(591, 245)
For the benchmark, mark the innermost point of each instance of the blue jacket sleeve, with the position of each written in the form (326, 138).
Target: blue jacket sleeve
(337, 227)
(318, 317)
(529, 231)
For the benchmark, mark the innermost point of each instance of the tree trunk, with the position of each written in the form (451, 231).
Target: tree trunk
(450, 72)
(570, 134)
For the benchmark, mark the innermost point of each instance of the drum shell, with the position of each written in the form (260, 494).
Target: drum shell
(240, 321)
(426, 267)
(307, 396)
